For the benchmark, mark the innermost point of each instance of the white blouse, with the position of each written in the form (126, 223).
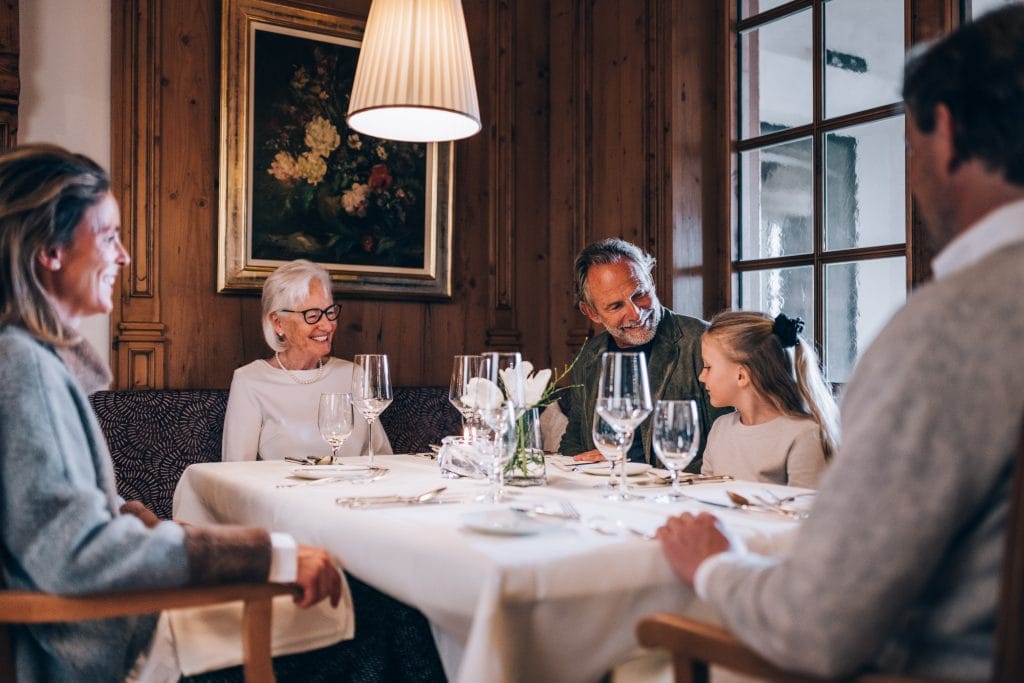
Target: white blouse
(270, 415)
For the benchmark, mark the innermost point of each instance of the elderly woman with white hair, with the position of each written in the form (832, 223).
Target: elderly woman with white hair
(273, 402)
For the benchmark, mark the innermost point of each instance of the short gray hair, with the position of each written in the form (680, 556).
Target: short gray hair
(286, 287)
(605, 252)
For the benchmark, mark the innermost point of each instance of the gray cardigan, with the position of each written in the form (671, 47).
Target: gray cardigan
(61, 530)
(898, 565)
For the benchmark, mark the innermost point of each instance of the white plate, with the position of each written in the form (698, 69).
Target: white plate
(507, 523)
(604, 469)
(327, 471)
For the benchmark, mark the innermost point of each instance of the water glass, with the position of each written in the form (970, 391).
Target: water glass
(623, 398)
(464, 369)
(613, 444)
(676, 438)
(334, 419)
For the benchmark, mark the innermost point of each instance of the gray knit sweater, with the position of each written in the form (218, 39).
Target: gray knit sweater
(898, 565)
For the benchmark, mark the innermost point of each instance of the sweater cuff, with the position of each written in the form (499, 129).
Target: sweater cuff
(284, 558)
(701, 576)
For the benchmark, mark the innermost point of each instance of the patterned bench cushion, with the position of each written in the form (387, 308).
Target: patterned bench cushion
(154, 435)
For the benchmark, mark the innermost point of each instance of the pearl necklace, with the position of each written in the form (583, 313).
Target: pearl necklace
(319, 367)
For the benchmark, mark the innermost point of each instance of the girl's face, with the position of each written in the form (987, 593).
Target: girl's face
(720, 376)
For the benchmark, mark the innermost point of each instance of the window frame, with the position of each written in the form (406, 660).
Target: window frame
(916, 254)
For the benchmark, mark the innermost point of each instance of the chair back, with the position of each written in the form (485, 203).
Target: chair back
(1009, 655)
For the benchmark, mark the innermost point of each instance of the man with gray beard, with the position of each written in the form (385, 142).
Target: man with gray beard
(614, 288)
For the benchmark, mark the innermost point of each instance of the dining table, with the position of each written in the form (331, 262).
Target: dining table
(548, 586)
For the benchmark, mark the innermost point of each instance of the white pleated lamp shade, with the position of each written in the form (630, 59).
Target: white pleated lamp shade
(414, 80)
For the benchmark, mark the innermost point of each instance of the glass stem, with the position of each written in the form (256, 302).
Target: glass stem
(369, 441)
(622, 473)
(677, 491)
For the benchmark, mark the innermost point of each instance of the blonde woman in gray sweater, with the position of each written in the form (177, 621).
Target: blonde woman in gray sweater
(786, 424)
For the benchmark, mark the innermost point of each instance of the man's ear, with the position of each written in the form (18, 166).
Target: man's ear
(50, 258)
(946, 156)
(586, 310)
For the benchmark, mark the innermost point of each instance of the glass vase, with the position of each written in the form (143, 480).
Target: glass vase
(526, 466)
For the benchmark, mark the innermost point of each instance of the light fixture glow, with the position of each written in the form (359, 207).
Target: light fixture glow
(414, 79)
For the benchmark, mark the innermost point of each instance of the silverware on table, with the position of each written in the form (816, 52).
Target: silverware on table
(368, 501)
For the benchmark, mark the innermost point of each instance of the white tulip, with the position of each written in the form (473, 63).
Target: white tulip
(483, 393)
(534, 385)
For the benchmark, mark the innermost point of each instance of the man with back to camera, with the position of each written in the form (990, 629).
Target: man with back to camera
(898, 566)
(614, 288)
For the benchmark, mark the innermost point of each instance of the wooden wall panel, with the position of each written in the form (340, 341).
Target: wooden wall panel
(580, 101)
(10, 80)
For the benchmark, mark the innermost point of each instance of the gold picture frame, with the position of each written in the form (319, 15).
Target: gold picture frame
(296, 182)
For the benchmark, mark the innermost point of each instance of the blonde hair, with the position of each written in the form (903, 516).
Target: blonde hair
(44, 191)
(783, 368)
(287, 287)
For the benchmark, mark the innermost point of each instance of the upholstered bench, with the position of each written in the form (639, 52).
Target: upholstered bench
(155, 435)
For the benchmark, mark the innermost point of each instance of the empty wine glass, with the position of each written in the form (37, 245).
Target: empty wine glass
(334, 419)
(623, 398)
(371, 391)
(501, 366)
(500, 418)
(676, 438)
(464, 369)
(613, 445)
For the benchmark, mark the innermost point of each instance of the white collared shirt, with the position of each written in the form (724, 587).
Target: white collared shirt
(994, 231)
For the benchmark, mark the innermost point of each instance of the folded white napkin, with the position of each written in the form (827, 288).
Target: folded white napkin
(209, 638)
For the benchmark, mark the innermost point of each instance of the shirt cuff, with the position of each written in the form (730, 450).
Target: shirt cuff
(701, 576)
(284, 558)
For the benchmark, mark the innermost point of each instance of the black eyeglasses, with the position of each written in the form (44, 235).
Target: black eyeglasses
(312, 315)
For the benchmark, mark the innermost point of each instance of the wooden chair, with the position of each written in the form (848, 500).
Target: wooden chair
(25, 607)
(696, 645)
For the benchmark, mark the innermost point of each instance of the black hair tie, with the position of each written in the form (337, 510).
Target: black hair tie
(787, 330)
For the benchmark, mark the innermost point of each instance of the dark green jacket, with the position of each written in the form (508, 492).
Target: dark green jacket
(673, 367)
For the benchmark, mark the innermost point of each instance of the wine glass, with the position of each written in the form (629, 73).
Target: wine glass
(334, 419)
(371, 391)
(623, 398)
(676, 437)
(506, 370)
(613, 445)
(464, 369)
(500, 418)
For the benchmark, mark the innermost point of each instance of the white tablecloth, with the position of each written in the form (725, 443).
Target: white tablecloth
(561, 605)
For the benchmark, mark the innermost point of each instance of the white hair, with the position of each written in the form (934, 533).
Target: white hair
(287, 287)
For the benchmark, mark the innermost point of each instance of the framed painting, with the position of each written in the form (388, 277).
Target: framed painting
(296, 182)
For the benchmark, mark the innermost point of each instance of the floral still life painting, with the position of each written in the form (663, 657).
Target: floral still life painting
(320, 189)
(297, 182)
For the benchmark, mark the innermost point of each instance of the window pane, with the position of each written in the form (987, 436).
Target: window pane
(778, 290)
(859, 299)
(979, 7)
(749, 8)
(864, 54)
(865, 200)
(777, 202)
(775, 75)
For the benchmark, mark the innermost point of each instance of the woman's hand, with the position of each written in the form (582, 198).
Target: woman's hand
(136, 508)
(589, 456)
(688, 540)
(317, 577)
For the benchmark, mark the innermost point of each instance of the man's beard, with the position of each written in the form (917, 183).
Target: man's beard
(640, 332)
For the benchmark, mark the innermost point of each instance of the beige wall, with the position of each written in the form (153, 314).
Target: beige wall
(65, 89)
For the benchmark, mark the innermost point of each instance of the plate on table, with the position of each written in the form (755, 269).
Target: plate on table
(340, 471)
(507, 523)
(604, 469)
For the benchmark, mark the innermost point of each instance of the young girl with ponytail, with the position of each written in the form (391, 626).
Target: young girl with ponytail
(786, 425)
